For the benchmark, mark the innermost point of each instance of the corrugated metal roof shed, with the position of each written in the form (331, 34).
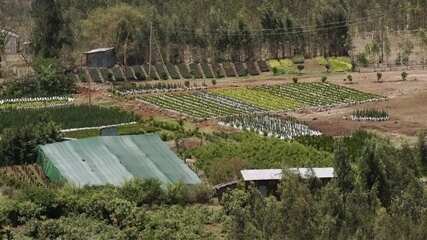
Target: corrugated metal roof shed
(98, 50)
(276, 174)
(113, 160)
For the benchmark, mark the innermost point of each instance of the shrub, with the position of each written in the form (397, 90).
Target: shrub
(324, 79)
(213, 82)
(298, 59)
(379, 76)
(283, 66)
(404, 76)
(177, 193)
(328, 67)
(362, 59)
(187, 84)
(200, 193)
(295, 79)
(143, 192)
(19, 145)
(300, 68)
(350, 78)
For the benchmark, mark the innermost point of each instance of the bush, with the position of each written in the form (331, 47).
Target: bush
(213, 82)
(350, 78)
(298, 59)
(379, 76)
(19, 145)
(143, 192)
(362, 59)
(300, 68)
(324, 79)
(404, 76)
(177, 194)
(295, 79)
(187, 84)
(283, 66)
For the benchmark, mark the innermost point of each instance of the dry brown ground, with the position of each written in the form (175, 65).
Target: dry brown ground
(406, 104)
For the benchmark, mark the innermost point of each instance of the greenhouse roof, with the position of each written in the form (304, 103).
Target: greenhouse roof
(113, 160)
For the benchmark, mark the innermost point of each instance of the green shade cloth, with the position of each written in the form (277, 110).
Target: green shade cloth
(113, 160)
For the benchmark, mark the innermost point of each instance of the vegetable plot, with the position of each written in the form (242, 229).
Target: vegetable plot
(270, 125)
(319, 94)
(279, 98)
(200, 104)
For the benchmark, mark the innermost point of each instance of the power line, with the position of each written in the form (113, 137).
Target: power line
(282, 31)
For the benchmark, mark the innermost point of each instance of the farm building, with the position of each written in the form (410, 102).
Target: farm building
(101, 57)
(12, 42)
(266, 180)
(113, 160)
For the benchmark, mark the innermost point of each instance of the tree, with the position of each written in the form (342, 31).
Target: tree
(372, 174)
(343, 169)
(116, 26)
(422, 149)
(296, 210)
(19, 145)
(50, 33)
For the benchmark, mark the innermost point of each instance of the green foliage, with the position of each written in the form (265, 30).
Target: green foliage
(143, 192)
(283, 66)
(253, 151)
(422, 149)
(370, 114)
(375, 194)
(362, 59)
(66, 117)
(335, 64)
(50, 31)
(19, 145)
(48, 80)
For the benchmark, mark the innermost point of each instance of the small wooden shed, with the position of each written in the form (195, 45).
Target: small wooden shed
(101, 57)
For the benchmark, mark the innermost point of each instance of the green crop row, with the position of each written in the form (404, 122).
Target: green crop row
(71, 116)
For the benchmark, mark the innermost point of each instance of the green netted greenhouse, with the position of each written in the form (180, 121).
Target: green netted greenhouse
(113, 160)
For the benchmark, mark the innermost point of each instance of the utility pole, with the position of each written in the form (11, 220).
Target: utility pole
(150, 51)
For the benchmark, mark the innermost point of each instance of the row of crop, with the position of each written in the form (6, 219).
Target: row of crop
(319, 94)
(370, 115)
(38, 102)
(258, 98)
(159, 87)
(270, 125)
(70, 116)
(190, 104)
